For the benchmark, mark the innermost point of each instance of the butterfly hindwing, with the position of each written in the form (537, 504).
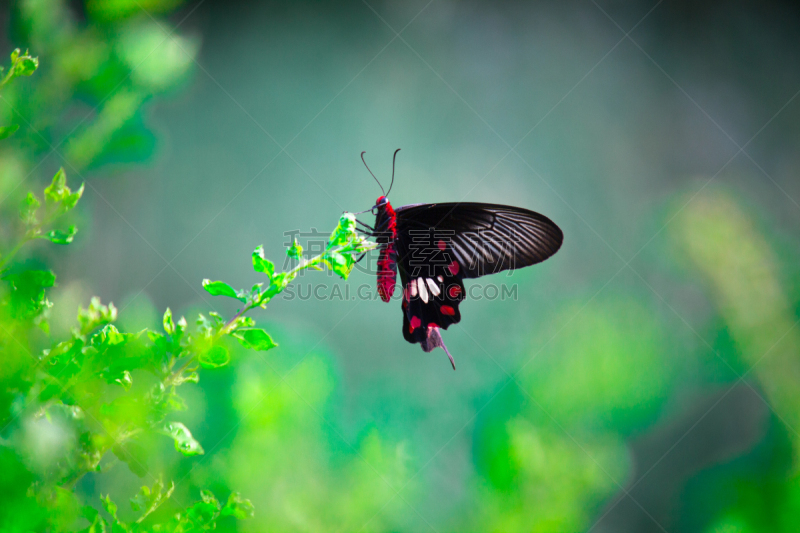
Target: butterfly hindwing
(430, 300)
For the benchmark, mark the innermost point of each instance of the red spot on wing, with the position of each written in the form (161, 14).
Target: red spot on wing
(453, 267)
(442, 245)
(432, 325)
(454, 291)
(415, 323)
(447, 310)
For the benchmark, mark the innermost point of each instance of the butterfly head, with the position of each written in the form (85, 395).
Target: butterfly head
(382, 206)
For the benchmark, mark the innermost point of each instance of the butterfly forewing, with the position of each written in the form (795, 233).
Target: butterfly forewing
(481, 238)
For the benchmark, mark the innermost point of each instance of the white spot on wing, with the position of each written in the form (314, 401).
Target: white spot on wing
(433, 287)
(423, 292)
(413, 286)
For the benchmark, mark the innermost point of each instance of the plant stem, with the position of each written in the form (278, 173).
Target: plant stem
(31, 234)
(10, 255)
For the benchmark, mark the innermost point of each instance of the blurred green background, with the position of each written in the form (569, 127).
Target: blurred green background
(645, 378)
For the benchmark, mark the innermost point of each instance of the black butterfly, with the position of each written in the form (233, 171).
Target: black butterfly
(436, 246)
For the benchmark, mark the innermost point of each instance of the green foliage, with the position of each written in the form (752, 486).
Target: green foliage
(112, 56)
(21, 65)
(203, 515)
(255, 338)
(106, 392)
(315, 481)
(7, 131)
(562, 453)
(110, 389)
(84, 412)
(184, 442)
(295, 251)
(220, 288)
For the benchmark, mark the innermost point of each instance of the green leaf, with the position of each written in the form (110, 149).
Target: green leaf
(255, 339)
(341, 264)
(191, 377)
(184, 442)
(97, 525)
(262, 265)
(344, 232)
(181, 326)
(28, 209)
(95, 315)
(38, 278)
(125, 380)
(295, 251)
(109, 506)
(201, 516)
(57, 236)
(220, 288)
(204, 325)
(57, 190)
(72, 199)
(149, 499)
(58, 193)
(28, 292)
(215, 357)
(208, 497)
(7, 131)
(169, 325)
(238, 507)
(109, 336)
(26, 66)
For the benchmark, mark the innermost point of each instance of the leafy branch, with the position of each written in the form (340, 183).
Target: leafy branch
(89, 380)
(344, 243)
(21, 65)
(201, 516)
(114, 392)
(58, 200)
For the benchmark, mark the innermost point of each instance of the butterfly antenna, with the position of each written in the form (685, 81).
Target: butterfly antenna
(373, 175)
(393, 159)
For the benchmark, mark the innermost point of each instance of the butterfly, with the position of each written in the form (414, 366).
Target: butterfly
(434, 247)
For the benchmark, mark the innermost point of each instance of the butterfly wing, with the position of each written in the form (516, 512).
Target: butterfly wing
(481, 238)
(430, 300)
(438, 245)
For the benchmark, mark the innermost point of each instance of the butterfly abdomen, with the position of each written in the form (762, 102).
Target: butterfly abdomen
(387, 261)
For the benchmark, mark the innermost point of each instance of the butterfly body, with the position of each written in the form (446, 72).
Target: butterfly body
(386, 220)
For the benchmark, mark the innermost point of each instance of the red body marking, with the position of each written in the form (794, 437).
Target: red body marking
(387, 261)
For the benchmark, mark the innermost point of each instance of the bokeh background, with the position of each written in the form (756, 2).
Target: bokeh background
(644, 379)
